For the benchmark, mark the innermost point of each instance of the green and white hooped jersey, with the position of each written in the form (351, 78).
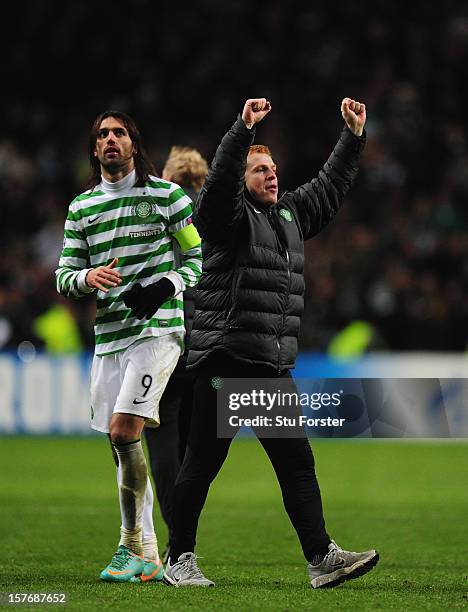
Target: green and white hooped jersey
(137, 225)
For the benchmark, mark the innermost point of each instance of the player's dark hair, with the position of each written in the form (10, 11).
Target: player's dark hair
(143, 164)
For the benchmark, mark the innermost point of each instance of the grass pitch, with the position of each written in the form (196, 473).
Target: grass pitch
(59, 527)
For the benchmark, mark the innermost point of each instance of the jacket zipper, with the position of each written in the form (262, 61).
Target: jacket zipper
(233, 294)
(284, 311)
(285, 254)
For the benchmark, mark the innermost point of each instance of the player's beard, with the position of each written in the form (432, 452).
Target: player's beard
(114, 166)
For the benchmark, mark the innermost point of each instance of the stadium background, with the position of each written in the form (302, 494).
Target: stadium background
(391, 270)
(396, 255)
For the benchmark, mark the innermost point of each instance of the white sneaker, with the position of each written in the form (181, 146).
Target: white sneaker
(185, 572)
(339, 565)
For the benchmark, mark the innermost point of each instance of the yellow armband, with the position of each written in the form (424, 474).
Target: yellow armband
(188, 237)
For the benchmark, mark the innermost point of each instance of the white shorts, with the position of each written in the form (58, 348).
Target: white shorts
(133, 381)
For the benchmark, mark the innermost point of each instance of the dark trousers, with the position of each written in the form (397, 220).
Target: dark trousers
(292, 460)
(167, 443)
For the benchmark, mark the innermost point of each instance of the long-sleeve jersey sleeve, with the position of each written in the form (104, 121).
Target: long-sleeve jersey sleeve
(74, 261)
(181, 228)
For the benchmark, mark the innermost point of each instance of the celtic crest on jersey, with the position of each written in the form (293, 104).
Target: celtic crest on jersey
(142, 210)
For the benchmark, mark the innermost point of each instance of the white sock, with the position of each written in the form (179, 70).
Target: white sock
(132, 479)
(150, 541)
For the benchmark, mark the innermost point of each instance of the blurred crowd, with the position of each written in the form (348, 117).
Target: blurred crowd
(396, 256)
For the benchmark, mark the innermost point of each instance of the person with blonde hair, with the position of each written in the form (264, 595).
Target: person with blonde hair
(166, 444)
(187, 167)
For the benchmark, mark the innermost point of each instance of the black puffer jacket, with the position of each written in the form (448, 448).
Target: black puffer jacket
(249, 300)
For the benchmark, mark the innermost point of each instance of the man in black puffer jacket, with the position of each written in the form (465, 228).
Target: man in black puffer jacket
(249, 303)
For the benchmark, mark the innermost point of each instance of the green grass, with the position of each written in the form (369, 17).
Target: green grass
(59, 527)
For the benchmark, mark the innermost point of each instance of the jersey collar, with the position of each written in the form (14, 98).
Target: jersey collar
(125, 183)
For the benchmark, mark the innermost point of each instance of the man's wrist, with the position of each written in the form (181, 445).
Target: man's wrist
(175, 279)
(81, 281)
(361, 136)
(249, 126)
(165, 288)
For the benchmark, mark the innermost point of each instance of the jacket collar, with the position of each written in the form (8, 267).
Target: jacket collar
(258, 205)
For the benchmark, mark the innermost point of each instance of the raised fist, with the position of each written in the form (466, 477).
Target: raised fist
(254, 111)
(354, 113)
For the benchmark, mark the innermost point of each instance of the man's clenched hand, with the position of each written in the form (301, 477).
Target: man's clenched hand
(254, 111)
(145, 301)
(354, 113)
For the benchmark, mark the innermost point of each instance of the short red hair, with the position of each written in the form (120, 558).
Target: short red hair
(258, 148)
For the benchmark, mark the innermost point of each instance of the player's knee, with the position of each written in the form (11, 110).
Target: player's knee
(125, 428)
(121, 435)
